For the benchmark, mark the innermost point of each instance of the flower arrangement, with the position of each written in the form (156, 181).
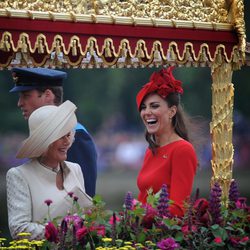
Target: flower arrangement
(207, 224)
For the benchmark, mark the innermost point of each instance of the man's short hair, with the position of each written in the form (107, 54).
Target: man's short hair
(57, 91)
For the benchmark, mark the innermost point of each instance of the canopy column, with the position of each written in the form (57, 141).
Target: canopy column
(221, 126)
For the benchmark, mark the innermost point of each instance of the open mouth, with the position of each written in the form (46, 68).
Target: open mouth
(151, 121)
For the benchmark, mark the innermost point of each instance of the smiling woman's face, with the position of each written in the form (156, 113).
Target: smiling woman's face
(57, 151)
(156, 115)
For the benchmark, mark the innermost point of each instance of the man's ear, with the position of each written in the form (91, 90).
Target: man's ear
(49, 97)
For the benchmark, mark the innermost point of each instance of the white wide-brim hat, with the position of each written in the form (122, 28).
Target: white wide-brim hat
(46, 125)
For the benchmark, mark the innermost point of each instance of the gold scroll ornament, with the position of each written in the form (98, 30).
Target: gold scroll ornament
(221, 125)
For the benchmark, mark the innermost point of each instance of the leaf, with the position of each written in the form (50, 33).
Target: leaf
(138, 211)
(179, 236)
(220, 232)
(141, 237)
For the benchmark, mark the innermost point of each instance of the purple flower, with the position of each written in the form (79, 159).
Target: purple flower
(215, 204)
(163, 202)
(48, 202)
(233, 194)
(70, 194)
(168, 244)
(129, 201)
(76, 220)
(75, 198)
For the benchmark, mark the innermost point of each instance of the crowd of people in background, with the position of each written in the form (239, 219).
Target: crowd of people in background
(119, 148)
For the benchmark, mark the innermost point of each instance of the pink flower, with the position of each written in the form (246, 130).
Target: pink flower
(48, 202)
(81, 233)
(244, 239)
(111, 220)
(168, 244)
(100, 230)
(241, 203)
(135, 202)
(186, 231)
(218, 240)
(237, 240)
(51, 232)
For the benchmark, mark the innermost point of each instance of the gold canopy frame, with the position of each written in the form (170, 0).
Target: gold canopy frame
(136, 33)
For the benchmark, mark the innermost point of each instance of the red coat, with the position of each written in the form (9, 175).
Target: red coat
(173, 164)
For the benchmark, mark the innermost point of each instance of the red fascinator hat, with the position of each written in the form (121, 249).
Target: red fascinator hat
(163, 83)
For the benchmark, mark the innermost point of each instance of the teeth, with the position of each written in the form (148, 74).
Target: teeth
(151, 120)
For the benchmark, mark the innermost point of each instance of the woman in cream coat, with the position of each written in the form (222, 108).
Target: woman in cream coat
(46, 176)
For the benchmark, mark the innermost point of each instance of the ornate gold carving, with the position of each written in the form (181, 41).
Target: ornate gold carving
(236, 17)
(124, 54)
(97, 55)
(192, 10)
(5, 42)
(171, 55)
(140, 50)
(222, 124)
(107, 48)
(236, 59)
(203, 57)
(188, 58)
(23, 49)
(57, 53)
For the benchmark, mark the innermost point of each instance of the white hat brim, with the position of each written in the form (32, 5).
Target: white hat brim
(57, 124)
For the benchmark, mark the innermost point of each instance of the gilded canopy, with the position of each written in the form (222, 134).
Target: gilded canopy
(119, 33)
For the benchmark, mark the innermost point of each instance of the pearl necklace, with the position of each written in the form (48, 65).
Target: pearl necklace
(55, 170)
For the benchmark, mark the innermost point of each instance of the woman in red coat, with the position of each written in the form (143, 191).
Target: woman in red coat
(170, 158)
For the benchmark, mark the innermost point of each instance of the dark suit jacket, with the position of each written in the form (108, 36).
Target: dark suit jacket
(83, 152)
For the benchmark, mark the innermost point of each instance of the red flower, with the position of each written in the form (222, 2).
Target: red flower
(201, 208)
(164, 83)
(51, 232)
(201, 204)
(149, 217)
(218, 240)
(81, 233)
